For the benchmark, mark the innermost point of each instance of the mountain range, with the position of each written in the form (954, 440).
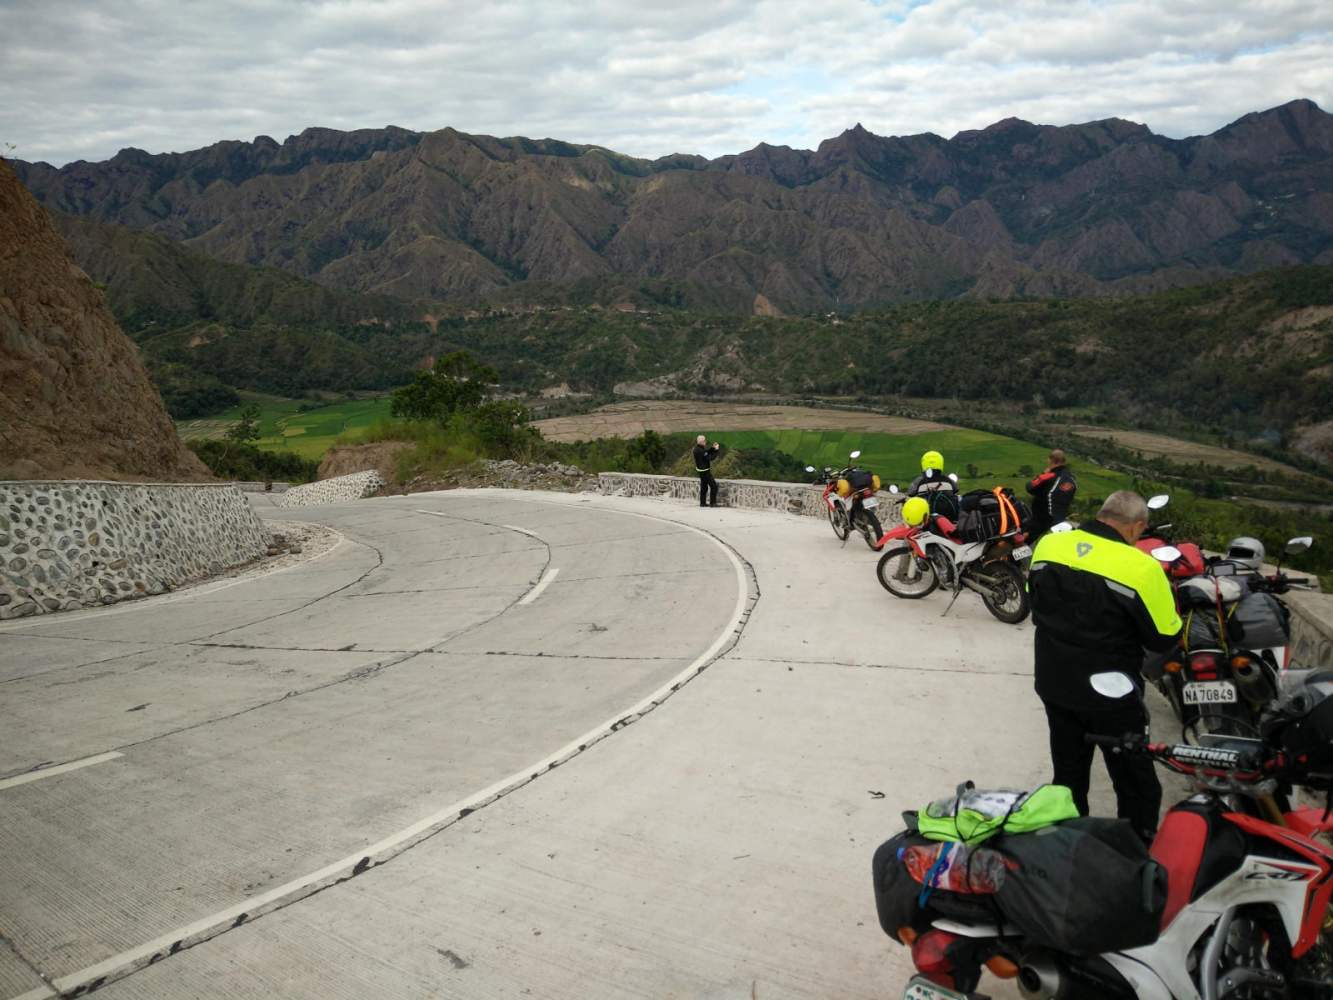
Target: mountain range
(1014, 210)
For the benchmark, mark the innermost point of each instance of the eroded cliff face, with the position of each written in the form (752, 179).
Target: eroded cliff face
(75, 400)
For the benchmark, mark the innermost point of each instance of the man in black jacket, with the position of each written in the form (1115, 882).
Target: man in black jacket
(1052, 493)
(1097, 603)
(704, 453)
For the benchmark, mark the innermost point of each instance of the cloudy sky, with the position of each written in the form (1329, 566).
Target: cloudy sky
(84, 78)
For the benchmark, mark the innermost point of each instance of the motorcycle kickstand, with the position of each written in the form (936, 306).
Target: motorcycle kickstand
(958, 590)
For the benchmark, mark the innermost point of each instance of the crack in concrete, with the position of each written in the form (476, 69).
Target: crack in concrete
(884, 666)
(27, 963)
(91, 663)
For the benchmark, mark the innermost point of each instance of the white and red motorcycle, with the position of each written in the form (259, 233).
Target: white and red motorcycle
(1249, 883)
(917, 559)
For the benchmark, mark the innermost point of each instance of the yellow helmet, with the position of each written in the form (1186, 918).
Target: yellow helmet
(932, 460)
(915, 511)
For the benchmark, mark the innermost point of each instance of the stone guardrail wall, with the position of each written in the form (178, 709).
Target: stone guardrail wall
(66, 545)
(355, 486)
(262, 487)
(794, 498)
(1311, 629)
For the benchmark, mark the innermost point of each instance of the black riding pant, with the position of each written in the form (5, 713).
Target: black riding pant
(707, 490)
(1138, 793)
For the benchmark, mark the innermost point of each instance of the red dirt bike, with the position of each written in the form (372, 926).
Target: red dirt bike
(1248, 888)
(849, 496)
(916, 560)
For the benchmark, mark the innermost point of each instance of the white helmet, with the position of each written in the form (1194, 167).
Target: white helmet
(1247, 552)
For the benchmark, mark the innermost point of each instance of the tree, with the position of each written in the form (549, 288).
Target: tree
(502, 427)
(456, 383)
(246, 429)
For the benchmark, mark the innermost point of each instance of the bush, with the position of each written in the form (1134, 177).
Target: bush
(245, 462)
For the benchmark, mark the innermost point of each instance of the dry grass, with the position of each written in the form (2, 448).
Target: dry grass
(1153, 445)
(626, 420)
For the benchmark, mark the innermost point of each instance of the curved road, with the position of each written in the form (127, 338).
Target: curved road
(320, 782)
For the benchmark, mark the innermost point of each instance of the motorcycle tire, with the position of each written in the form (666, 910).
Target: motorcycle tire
(838, 519)
(1010, 605)
(903, 575)
(872, 531)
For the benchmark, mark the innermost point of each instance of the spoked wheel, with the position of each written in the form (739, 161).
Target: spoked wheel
(902, 574)
(838, 518)
(870, 528)
(1006, 598)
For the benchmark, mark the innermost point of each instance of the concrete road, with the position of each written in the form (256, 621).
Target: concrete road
(493, 744)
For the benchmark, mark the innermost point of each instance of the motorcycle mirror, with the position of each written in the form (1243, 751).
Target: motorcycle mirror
(1165, 553)
(954, 476)
(893, 487)
(856, 454)
(1062, 527)
(1159, 501)
(1298, 545)
(809, 468)
(1112, 684)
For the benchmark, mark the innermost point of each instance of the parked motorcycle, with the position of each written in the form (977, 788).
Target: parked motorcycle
(1248, 884)
(1235, 646)
(849, 495)
(1187, 559)
(919, 558)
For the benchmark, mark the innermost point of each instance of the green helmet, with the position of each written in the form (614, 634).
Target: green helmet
(915, 512)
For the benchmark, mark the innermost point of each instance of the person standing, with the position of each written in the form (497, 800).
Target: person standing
(1052, 493)
(1097, 603)
(704, 453)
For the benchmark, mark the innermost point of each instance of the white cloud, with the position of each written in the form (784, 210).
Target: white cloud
(648, 78)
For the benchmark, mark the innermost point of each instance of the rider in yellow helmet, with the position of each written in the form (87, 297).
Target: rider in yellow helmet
(938, 488)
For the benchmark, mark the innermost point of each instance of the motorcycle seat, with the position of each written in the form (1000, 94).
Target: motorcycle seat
(945, 525)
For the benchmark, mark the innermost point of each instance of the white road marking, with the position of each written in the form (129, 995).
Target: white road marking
(394, 844)
(46, 772)
(542, 584)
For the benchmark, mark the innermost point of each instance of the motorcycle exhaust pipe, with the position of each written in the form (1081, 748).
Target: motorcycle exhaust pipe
(1040, 978)
(1251, 681)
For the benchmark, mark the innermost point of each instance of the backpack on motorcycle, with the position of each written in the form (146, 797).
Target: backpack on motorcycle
(1084, 886)
(1254, 621)
(972, 815)
(987, 513)
(900, 901)
(861, 479)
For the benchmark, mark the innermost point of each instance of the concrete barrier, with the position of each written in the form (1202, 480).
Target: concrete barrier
(794, 498)
(69, 544)
(245, 487)
(337, 490)
(1311, 628)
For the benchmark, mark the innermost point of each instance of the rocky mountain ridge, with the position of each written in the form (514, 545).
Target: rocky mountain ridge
(1013, 210)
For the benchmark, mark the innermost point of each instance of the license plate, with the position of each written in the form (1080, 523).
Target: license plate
(1022, 552)
(869, 502)
(1210, 693)
(921, 989)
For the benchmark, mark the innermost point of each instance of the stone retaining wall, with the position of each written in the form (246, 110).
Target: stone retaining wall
(337, 490)
(794, 498)
(1311, 629)
(245, 487)
(66, 545)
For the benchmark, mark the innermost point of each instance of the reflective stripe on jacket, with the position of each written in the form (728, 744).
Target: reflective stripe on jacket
(1097, 603)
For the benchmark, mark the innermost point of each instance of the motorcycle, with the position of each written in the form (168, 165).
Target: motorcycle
(1187, 559)
(918, 559)
(1235, 647)
(849, 495)
(1248, 884)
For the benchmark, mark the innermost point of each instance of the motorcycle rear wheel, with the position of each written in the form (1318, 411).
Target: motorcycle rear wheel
(872, 531)
(903, 575)
(1009, 600)
(837, 517)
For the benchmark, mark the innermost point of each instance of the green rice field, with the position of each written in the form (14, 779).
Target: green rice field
(285, 427)
(897, 457)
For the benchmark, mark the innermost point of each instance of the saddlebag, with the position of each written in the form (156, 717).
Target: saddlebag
(987, 513)
(1083, 886)
(861, 479)
(900, 901)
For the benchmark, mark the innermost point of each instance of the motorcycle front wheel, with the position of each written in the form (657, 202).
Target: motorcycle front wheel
(902, 574)
(872, 531)
(837, 517)
(1006, 598)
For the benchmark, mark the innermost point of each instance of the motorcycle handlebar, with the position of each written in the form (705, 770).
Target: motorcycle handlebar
(1187, 758)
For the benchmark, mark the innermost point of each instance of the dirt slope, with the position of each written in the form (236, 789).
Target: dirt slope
(75, 401)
